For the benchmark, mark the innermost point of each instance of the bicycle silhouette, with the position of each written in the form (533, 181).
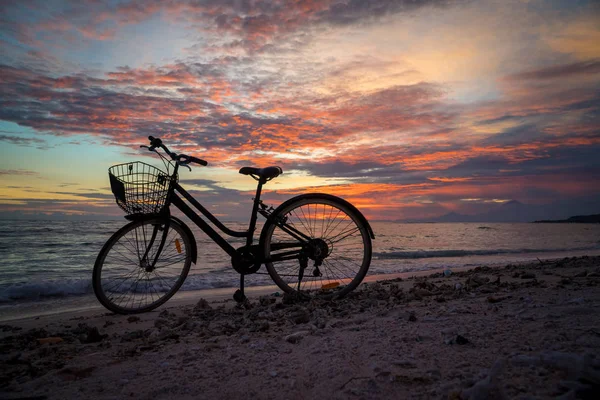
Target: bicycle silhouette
(311, 243)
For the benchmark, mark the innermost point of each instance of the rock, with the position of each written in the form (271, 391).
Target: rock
(259, 326)
(456, 339)
(73, 373)
(461, 340)
(527, 275)
(300, 316)
(202, 305)
(190, 325)
(167, 334)
(154, 336)
(50, 340)
(408, 316)
(496, 299)
(129, 336)
(133, 318)
(296, 337)
(422, 292)
(295, 297)
(458, 286)
(89, 334)
(166, 314)
(582, 274)
(160, 322)
(321, 323)
(435, 374)
(405, 364)
(266, 300)
(477, 280)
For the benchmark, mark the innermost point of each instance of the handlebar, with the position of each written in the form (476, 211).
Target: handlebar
(182, 159)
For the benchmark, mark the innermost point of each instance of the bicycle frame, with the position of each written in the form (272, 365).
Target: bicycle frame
(202, 224)
(256, 254)
(178, 202)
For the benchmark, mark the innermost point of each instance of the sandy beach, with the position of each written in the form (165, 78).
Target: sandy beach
(518, 331)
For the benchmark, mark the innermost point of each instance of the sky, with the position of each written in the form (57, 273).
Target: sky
(408, 109)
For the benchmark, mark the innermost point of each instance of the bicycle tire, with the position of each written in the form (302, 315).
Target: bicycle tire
(334, 221)
(124, 283)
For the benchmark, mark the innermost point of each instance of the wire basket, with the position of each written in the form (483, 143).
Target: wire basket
(140, 188)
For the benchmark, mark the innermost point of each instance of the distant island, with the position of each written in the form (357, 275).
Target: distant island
(580, 219)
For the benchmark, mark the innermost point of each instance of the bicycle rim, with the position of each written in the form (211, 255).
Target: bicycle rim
(126, 277)
(347, 239)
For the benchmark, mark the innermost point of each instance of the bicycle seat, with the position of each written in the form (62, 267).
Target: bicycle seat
(265, 174)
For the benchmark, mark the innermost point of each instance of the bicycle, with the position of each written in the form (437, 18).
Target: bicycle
(311, 242)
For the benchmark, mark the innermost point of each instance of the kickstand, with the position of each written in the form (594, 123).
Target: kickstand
(239, 295)
(303, 265)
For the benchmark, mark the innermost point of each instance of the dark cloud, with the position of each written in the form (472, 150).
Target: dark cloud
(590, 67)
(478, 166)
(504, 118)
(526, 133)
(22, 172)
(88, 195)
(359, 11)
(21, 141)
(574, 161)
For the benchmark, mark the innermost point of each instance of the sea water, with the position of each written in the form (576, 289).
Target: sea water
(42, 262)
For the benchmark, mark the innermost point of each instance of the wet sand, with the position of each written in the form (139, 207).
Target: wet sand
(518, 331)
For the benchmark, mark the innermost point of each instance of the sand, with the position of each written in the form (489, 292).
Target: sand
(519, 331)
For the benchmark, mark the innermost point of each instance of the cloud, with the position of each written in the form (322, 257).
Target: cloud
(590, 67)
(358, 11)
(21, 141)
(519, 134)
(111, 108)
(22, 172)
(256, 26)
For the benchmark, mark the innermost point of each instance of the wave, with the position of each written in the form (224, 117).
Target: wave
(77, 287)
(37, 290)
(463, 253)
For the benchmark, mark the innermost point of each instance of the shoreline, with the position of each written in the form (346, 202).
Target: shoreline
(511, 331)
(51, 306)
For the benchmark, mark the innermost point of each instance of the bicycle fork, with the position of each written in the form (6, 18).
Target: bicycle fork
(144, 263)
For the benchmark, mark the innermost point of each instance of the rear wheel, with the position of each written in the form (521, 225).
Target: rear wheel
(133, 274)
(334, 252)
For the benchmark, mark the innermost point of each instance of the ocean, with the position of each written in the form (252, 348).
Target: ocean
(48, 264)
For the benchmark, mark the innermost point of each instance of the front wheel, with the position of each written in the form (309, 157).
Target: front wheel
(142, 265)
(317, 242)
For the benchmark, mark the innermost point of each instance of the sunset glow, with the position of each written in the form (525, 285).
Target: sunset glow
(408, 109)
